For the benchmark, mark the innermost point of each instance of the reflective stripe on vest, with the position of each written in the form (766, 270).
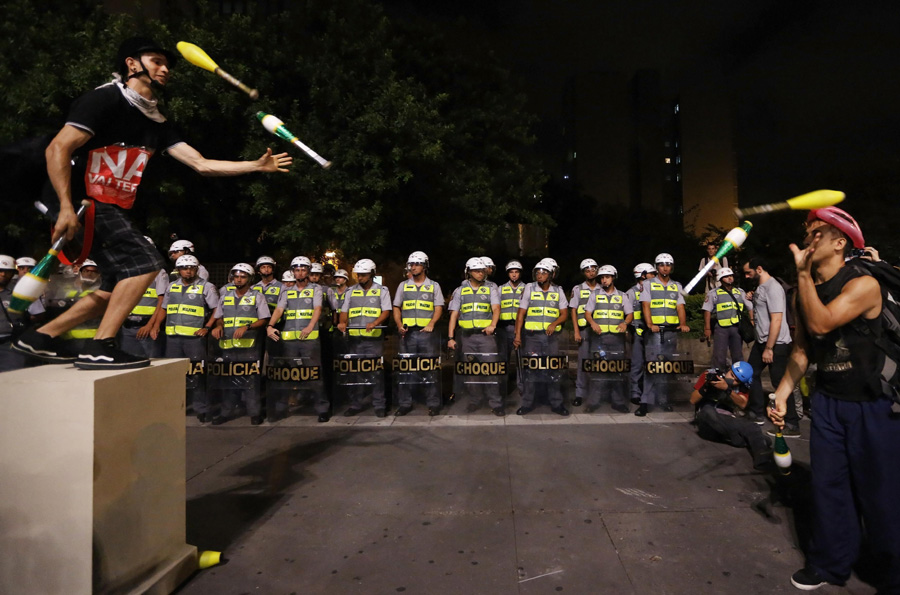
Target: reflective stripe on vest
(543, 309)
(509, 300)
(663, 303)
(237, 312)
(609, 311)
(362, 311)
(186, 308)
(583, 296)
(475, 307)
(418, 304)
(147, 305)
(636, 306)
(728, 312)
(88, 328)
(272, 293)
(298, 312)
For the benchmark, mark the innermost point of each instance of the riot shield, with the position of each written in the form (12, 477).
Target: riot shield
(416, 369)
(357, 369)
(235, 368)
(668, 368)
(544, 370)
(607, 372)
(480, 369)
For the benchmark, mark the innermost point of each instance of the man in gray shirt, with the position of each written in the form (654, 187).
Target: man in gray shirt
(772, 347)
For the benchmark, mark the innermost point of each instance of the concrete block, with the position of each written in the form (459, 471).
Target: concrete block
(92, 480)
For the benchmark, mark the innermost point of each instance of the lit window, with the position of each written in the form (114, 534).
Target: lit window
(574, 155)
(678, 159)
(677, 177)
(676, 108)
(668, 160)
(566, 177)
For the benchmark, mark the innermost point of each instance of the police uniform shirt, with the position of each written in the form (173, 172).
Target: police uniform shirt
(627, 306)
(645, 291)
(634, 302)
(385, 298)
(262, 308)
(456, 300)
(438, 294)
(317, 295)
(210, 295)
(332, 296)
(575, 296)
(712, 298)
(531, 287)
(161, 283)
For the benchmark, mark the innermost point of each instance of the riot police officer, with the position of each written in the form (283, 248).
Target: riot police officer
(363, 313)
(418, 305)
(579, 298)
(542, 312)
(663, 311)
(608, 315)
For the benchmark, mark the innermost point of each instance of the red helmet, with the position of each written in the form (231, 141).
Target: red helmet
(840, 219)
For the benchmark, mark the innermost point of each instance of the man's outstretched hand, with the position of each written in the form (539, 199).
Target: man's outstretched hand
(272, 163)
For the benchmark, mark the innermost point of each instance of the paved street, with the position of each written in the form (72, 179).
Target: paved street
(600, 503)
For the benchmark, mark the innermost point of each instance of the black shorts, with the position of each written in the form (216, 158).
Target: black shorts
(119, 249)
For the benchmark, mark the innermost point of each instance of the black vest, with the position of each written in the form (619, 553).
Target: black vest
(848, 360)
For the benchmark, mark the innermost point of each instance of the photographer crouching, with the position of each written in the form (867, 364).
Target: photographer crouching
(716, 397)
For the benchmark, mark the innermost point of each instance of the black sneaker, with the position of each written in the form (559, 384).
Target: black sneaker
(807, 579)
(44, 347)
(403, 410)
(577, 401)
(104, 355)
(642, 410)
(498, 411)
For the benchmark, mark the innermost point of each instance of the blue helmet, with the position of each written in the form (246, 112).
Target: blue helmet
(743, 372)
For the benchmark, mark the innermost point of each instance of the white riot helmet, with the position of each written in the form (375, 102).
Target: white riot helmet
(664, 258)
(547, 264)
(476, 263)
(7, 263)
(287, 276)
(341, 273)
(364, 265)
(179, 245)
(587, 262)
(265, 260)
(513, 264)
(418, 257)
(316, 267)
(243, 267)
(187, 260)
(608, 269)
(89, 263)
(724, 272)
(25, 261)
(488, 262)
(642, 269)
(300, 261)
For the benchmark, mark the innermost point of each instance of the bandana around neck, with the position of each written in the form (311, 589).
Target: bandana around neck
(147, 106)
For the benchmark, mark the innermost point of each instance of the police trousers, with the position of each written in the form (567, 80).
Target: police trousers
(419, 383)
(193, 348)
(726, 339)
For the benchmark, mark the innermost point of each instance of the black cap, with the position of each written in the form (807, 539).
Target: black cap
(133, 47)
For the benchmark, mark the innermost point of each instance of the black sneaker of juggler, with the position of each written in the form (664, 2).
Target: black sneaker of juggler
(104, 355)
(807, 579)
(44, 347)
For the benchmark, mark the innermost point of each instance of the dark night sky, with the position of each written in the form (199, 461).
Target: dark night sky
(812, 84)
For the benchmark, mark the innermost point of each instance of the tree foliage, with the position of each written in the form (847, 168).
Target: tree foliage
(430, 148)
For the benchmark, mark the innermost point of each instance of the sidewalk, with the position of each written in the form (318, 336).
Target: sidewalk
(472, 504)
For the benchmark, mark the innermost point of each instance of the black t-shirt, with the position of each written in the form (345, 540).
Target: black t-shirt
(123, 139)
